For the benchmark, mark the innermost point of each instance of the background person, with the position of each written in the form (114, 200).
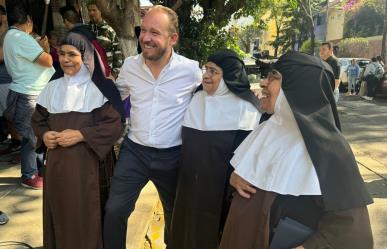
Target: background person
(326, 53)
(106, 37)
(353, 71)
(220, 115)
(78, 120)
(30, 66)
(372, 74)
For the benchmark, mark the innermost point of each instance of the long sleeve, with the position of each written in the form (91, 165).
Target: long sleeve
(39, 121)
(108, 128)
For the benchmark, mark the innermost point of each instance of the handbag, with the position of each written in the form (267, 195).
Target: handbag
(289, 234)
(363, 88)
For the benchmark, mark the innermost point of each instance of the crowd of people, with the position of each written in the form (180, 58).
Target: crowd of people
(228, 167)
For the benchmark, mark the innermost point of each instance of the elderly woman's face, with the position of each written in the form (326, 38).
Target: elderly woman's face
(270, 90)
(212, 74)
(70, 59)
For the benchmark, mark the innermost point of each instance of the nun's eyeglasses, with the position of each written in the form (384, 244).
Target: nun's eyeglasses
(274, 75)
(210, 71)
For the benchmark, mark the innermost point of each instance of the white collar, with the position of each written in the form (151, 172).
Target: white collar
(221, 111)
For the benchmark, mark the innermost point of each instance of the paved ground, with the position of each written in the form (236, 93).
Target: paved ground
(364, 125)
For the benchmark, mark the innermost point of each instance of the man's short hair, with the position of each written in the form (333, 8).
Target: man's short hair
(17, 14)
(328, 44)
(91, 2)
(70, 14)
(172, 16)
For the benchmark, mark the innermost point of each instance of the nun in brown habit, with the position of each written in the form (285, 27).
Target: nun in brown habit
(297, 164)
(221, 114)
(78, 119)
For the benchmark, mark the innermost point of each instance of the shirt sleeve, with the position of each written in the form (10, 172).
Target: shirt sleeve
(197, 77)
(121, 81)
(336, 69)
(28, 48)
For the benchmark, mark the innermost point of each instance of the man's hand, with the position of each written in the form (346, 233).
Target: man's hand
(49, 139)
(43, 42)
(244, 188)
(69, 137)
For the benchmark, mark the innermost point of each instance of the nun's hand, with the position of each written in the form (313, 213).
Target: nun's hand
(69, 138)
(244, 188)
(49, 139)
(299, 247)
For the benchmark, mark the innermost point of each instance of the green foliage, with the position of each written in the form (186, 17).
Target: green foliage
(205, 33)
(306, 46)
(352, 47)
(247, 35)
(365, 19)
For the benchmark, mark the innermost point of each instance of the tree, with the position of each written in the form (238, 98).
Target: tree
(307, 10)
(205, 31)
(383, 52)
(248, 34)
(364, 18)
(276, 8)
(123, 17)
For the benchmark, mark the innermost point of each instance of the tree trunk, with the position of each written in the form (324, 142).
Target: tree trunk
(123, 18)
(383, 53)
(128, 46)
(312, 39)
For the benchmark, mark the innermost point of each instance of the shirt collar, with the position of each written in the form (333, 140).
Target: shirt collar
(167, 66)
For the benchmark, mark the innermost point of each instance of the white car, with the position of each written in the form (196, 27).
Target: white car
(344, 63)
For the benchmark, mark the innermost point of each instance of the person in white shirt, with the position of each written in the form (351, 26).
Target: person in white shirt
(160, 84)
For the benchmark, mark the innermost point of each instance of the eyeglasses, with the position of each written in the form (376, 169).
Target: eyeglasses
(274, 75)
(210, 71)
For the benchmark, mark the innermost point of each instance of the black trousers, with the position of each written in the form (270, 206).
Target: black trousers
(137, 165)
(372, 84)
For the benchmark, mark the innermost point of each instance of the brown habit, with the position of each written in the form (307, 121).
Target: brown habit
(76, 179)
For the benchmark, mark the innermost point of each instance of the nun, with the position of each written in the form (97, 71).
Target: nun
(298, 165)
(78, 119)
(221, 114)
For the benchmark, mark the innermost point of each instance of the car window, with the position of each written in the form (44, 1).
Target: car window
(343, 62)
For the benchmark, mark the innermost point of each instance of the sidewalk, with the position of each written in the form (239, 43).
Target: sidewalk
(24, 209)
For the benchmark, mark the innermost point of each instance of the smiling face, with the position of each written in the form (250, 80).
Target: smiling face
(70, 59)
(270, 90)
(156, 38)
(212, 74)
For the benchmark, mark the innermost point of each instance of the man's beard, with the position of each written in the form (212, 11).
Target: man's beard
(160, 52)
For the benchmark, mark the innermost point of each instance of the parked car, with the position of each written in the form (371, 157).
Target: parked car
(382, 87)
(344, 63)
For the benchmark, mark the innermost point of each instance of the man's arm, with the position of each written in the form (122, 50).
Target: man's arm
(44, 58)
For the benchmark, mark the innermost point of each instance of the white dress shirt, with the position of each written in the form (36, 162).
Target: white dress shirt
(158, 105)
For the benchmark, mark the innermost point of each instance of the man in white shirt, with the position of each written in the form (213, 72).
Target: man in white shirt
(160, 84)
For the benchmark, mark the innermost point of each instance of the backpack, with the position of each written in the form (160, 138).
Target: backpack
(379, 71)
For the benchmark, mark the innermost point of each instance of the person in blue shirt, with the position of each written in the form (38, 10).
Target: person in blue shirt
(353, 72)
(30, 66)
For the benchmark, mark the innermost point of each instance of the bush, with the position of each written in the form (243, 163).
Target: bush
(305, 47)
(353, 47)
